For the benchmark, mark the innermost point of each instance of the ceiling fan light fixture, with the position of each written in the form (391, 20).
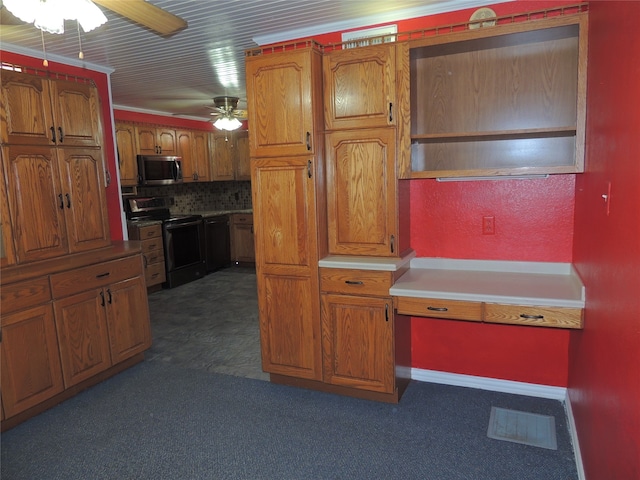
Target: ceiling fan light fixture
(227, 123)
(49, 15)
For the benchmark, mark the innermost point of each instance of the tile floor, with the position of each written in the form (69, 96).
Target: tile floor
(209, 324)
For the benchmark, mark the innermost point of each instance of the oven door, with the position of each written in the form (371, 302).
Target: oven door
(184, 251)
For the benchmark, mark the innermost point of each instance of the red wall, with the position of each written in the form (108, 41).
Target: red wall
(604, 358)
(533, 222)
(175, 122)
(102, 83)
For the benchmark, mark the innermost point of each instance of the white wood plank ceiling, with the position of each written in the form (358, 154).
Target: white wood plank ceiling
(180, 75)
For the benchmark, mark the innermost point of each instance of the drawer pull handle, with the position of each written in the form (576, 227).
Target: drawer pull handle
(102, 275)
(532, 317)
(354, 282)
(438, 309)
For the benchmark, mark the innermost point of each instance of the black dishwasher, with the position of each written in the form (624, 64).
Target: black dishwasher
(218, 246)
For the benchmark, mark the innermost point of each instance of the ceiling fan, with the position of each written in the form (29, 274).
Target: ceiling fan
(140, 12)
(227, 113)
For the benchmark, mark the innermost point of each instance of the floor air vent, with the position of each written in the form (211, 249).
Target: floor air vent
(523, 427)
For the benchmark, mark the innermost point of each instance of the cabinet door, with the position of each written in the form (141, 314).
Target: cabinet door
(36, 202)
(83, 336)
(285, 229)
(222, 166)
(30, 363)
(201, 157)
(146, 140)
(128, 318)
(77, 113)
(281, 91)
(242, 161)
(166, 141)
(85, 201)
(7, 251)
(25, 110)
(244, 251)
(357, 340)
(185, 150)
(361, 192)
(127, 161)
(359, 87)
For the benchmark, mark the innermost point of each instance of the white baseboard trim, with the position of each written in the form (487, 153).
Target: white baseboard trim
(574, 438)
(493, 384)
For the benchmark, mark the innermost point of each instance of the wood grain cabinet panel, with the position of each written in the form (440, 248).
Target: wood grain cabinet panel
(285, 94)
(31, 371)
(127, 153)
(82, 336)
(362, 206)
(358, 342)
(242, 238)
(222, 163)
(152, 140)
(360, 87)
(543, 316)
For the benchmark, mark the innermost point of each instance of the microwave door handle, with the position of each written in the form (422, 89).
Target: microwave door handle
(176, 170)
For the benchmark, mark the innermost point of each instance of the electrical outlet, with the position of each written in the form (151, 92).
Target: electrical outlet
(488, 225)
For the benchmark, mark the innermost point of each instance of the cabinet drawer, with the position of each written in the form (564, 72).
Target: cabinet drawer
(355, 282)
(156, 256)
(150, 231)
(561, 317)
(242, 218)
(151, 245)
(19, 296)
(95, 276)
(439, 308)
(155, 274)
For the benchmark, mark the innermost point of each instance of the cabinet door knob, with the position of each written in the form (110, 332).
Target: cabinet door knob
(53, 134)
(309, 141)
(532, 317)
(60, 135)
(61, 204)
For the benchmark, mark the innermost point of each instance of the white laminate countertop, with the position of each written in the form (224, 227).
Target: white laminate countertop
(515, 283)
(366, 263)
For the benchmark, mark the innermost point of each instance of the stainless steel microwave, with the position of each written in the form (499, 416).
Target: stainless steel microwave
(159, 169)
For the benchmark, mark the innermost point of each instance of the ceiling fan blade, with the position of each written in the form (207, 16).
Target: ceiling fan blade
(144, 13)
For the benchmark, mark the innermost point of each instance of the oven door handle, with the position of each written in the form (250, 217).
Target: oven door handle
(173, 226)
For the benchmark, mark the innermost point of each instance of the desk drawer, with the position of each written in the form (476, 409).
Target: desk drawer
(356, 282)
(561, 317)
(242, 218)
(156, 256)
(95, 276)
(439, 308)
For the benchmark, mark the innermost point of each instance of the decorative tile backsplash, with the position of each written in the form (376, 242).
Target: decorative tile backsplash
(207, 196)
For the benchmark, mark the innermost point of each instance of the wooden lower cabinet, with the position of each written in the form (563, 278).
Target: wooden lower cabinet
(358, 342)
(73, 322)
(31, 370)
(152, 251)
(289, 326)
(242, 242)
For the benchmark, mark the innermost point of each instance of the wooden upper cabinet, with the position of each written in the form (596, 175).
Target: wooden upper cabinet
(155, 141)
(360, 87)
(85, 201)
(285, 94)
(39, 111)
(127, 161)
(222, 163)
(242, 161)
(7, 251)
(362, 204)
(185, 150)
(201, 155)
(57, 200)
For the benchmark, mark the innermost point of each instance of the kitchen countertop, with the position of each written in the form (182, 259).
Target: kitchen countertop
(506, 282)
(215, 213)
(390, 264)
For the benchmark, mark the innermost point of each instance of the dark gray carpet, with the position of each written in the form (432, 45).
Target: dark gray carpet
(164, 421)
